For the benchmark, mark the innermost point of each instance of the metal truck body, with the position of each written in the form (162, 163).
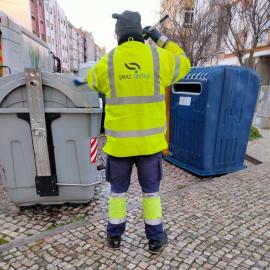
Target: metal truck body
(21, 49)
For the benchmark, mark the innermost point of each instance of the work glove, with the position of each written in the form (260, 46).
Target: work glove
(153, 34)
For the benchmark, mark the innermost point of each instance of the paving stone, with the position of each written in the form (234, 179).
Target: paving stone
(219, 223)
(143, 265)
(152, 267)
(249, 262)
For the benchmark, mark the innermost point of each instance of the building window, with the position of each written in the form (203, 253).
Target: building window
(43, 37)
(188, 17)
(50, 10)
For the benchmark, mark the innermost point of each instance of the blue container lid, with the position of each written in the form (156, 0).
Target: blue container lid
(203, 73)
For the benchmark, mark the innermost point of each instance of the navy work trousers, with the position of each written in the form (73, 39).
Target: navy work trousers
(118, 174)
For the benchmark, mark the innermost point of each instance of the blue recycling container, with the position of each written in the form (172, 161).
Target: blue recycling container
(211, 113)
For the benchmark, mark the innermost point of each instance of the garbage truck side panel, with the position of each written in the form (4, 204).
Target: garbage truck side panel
(21, 49)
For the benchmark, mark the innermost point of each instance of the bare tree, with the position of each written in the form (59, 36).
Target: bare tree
(194, 30)
(248, 24)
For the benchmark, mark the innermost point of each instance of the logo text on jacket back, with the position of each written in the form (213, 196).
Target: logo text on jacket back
(137, 75)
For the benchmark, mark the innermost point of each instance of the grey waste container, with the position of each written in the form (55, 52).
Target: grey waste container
(263, 108)
(48, 138)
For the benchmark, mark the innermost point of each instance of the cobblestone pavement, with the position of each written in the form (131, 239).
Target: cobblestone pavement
(260, 149)
(16, 224)
(222, 223)
(212, 223)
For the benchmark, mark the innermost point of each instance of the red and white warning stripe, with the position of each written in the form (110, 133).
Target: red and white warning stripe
(93, 150)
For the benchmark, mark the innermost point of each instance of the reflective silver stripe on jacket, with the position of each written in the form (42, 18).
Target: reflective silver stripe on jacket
(177, 68)
(116, 220)
(153, 221)
(135, 100)
(156, 71)
(157, 97)
(151, 195)
(111, 74)
(118, 195)
(135, 133)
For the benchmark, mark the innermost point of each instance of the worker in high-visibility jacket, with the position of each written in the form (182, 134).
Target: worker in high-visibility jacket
(133, 77)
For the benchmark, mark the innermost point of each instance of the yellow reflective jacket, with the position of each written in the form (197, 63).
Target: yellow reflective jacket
(133, 77)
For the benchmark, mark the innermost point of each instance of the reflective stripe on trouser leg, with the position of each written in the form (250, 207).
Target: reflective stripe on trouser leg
(152, 208)
(117, 214)
(117, 208)
(153, 216)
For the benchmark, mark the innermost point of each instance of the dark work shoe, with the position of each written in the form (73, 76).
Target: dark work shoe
(156, 246)
(114, 242)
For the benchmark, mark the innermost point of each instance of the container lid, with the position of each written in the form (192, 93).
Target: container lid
(59, 91)
(198, 73)
(203, 73)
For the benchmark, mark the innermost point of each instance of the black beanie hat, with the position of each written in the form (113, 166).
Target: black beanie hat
(128, 23)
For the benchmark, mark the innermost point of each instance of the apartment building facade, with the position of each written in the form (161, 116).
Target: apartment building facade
(82, 48)
(30, 15)
(47, 20)
(63, 39)
(220, 53)
(81, 42)
(89, 46)
(56, 30)
(38, 18)
(73, 47)
(99, 52)
(182, 11)
(192, 24)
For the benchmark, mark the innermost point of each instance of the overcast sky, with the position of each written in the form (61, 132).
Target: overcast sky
(96, 16)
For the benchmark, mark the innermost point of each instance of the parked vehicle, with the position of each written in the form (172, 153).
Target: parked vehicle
(21, 49)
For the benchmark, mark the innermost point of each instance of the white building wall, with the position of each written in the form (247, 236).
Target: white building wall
(91, 48)
(80, 48)
(50, 22)
(63, 34)
(73, 48)
(56, 30)
(232, 60)
(88, 46)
